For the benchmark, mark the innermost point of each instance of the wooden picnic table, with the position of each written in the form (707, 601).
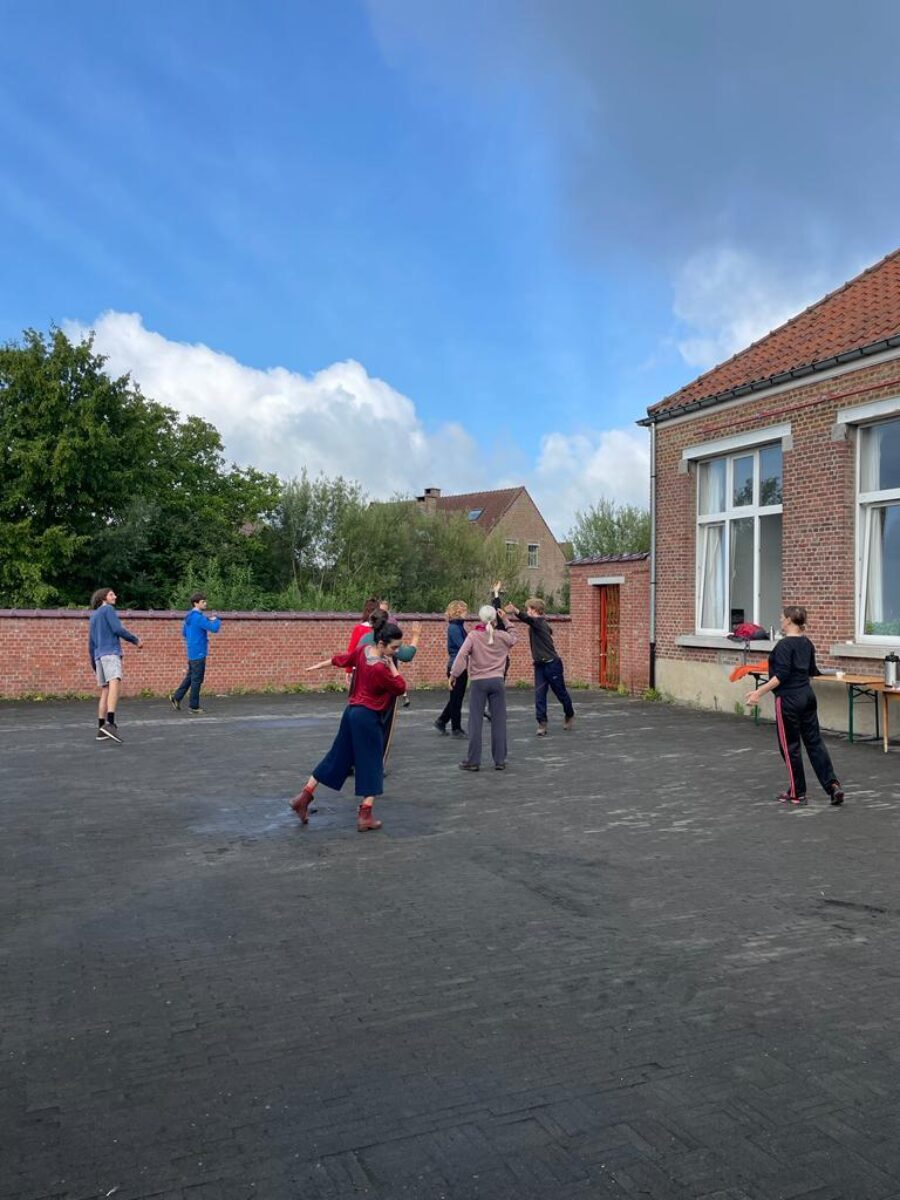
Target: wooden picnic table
(887, 695)
(858, 686)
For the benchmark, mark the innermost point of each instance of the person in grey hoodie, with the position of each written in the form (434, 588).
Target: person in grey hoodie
(483, 654)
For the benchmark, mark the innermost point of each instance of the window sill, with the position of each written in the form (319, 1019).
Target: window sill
(712, 641)
(864, 649)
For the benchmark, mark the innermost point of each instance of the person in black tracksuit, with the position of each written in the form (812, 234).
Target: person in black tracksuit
(791, 664)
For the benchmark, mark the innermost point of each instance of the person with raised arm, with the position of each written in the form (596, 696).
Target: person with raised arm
(359, 743)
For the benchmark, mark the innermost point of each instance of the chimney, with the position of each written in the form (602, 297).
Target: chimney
(430, 499)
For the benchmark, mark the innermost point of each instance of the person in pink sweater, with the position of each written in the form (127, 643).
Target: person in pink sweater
(483, 654)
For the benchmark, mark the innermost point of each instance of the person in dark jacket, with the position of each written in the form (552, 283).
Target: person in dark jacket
(456, 635)
(791, 665)
(195, 630)
(105, 634)
(548, 666)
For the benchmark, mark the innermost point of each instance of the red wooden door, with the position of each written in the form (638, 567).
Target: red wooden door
(609, 635)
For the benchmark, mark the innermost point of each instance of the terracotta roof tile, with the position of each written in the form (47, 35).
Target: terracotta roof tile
(862, 312)
(492, 504)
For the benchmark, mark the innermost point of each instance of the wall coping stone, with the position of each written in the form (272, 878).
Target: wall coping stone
(81, 614)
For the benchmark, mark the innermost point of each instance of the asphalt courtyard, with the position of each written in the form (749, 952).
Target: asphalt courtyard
(620, 969)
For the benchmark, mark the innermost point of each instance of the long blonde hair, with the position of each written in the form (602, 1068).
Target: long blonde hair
(456, 609)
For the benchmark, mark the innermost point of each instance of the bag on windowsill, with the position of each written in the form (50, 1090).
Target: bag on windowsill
(748, 632)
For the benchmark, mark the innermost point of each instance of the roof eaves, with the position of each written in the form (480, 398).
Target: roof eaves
(761, 385)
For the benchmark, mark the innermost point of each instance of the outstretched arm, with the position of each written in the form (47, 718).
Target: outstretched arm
(756, 695)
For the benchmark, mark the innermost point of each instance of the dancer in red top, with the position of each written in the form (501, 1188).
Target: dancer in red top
(359, 743)
(364, 625)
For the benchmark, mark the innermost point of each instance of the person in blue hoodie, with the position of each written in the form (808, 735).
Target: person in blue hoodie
(456, 635)
(105, 633)
(195, 630)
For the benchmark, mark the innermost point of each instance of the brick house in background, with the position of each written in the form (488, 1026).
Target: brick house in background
(511, 515)
(776, 479)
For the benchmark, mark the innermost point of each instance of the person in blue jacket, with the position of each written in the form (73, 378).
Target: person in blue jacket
(105, 633)
(195, 630)
(456, 635)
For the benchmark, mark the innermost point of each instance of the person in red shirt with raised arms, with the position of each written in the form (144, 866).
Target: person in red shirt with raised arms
(360, 741)
(364, 625)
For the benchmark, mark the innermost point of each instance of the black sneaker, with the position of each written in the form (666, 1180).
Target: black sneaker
(837, 793)
(499, 766)
(406, 700)
(101, 736)
(111, 731)
(197, 712)
(467, 766)
(441, 728)
(176, 704)
(459, 733)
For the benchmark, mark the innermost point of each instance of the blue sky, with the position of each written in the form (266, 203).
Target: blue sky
(454, 244)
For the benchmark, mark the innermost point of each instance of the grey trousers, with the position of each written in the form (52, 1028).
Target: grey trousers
(493, 693)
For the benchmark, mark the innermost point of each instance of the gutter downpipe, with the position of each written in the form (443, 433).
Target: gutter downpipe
(653, 554)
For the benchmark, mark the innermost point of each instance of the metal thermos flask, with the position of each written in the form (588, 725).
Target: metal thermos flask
(890, 670)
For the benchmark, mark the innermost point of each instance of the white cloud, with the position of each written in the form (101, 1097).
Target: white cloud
(343, 421)
(575, 470)
(340, 421)
(727, 298)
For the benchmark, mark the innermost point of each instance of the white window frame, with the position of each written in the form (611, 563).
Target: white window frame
(536, 547)
(512, 550)
(731, 513)
(867, 504)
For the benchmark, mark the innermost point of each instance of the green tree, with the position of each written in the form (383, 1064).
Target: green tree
(305, 537)
(610, 528)
(99, 484)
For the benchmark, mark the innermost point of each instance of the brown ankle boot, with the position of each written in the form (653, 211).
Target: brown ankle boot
(300, 804)
(365, 820)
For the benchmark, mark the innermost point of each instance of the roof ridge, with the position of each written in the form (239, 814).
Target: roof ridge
(779, 328)
(519, 487)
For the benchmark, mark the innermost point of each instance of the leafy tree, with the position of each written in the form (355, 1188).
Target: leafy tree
(610, 528)
(305, 537)
(98, 484)
(415, 560)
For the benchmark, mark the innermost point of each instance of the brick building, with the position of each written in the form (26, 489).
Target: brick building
(776, 479)
(610, 610)
(511, 515)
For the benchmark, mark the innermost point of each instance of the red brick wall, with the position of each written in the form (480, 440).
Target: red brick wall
(46, 652)
(634, 621)
(818, 548)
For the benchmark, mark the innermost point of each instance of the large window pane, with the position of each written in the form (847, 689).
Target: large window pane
(712, 582)
(712, 486)
(741, 572)
(883, 572)
(770, 460)
(742, 481)
(770, 570)
(880, 457)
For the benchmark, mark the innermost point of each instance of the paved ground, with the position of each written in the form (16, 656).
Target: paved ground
(618, 970)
